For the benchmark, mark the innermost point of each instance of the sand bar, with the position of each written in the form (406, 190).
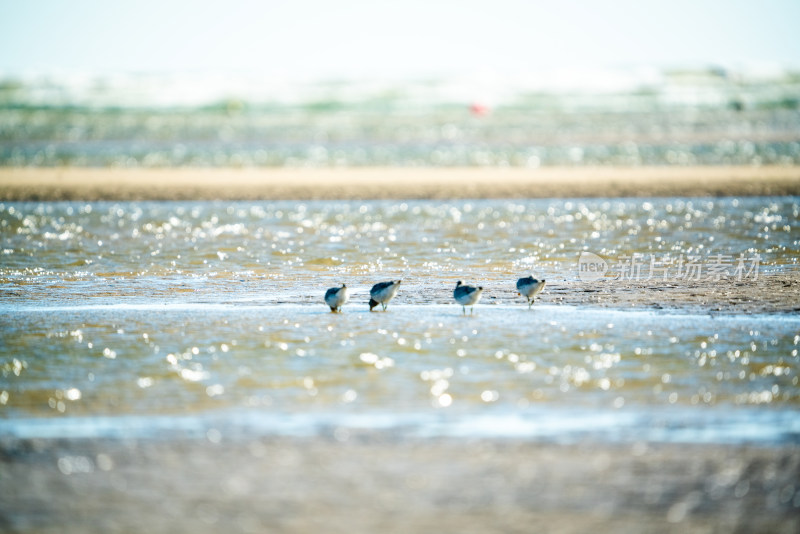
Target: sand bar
(69, 183)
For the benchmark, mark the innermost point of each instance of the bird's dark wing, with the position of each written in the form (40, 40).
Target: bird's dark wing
(380, 286)
(464, 290)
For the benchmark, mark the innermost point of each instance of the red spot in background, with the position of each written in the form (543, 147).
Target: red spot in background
(476, 108)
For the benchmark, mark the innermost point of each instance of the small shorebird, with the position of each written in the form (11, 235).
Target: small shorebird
(467, 296)
(335, 297)
(530, 287)
(382, 293)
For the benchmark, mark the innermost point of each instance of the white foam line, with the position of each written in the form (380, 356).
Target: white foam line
(666, 426)
(547, 311)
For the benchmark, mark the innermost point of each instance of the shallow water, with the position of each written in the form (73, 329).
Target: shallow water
(141, 318)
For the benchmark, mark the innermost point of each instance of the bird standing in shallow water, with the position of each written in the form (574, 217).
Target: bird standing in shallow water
(381, 293)
(467, 296)
(530, 287)
(335, 297)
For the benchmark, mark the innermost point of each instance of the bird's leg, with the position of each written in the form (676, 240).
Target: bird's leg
(464, 310)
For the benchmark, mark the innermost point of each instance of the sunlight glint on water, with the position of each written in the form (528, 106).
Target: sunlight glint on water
(200, 309)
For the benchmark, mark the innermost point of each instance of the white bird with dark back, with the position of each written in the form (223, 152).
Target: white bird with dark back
(336, 297)
(530, 287)
(467, 296)
(381, 293)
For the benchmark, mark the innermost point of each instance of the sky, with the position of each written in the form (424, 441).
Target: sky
(409, 39)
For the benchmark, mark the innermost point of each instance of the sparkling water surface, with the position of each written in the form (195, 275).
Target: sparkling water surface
(143, 318)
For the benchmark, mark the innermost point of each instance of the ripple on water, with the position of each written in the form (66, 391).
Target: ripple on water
(162, 309)
(154, 360)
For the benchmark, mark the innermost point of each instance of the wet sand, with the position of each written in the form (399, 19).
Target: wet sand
(378, 483)
(391, 183)
(769, 293)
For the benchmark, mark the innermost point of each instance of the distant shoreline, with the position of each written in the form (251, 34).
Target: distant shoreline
(357, 183)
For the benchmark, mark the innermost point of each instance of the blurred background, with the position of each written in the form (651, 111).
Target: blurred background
(422, 83)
